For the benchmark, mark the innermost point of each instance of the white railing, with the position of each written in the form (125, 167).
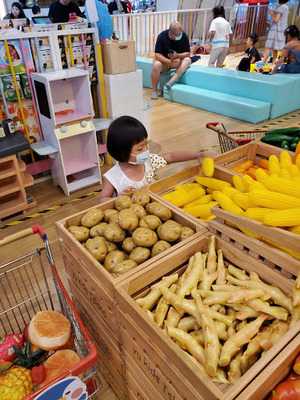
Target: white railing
(144, 27)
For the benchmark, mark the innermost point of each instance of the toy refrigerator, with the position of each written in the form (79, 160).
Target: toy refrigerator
(66, 111)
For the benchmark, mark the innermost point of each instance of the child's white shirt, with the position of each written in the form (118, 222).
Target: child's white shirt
(121, 182)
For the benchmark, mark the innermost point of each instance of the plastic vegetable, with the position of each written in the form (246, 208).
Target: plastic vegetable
(242, 200)
(208, 166)
(212, 183)
(38, 374)
(257, 213)
(268, 199)
(7, 351)
(243, 166)
(287, 390)
(282, 185)
(15, 384)
(285, 159)
(201, 210)
(274, 165)
(226, 203)
(290, 217)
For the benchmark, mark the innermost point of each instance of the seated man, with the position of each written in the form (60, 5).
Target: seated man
(172, 50)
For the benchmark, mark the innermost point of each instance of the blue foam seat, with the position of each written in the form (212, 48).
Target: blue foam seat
(232, 106)
(145, 64)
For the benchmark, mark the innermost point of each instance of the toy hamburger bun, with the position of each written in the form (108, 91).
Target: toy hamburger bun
(60, 363)
(49, 330)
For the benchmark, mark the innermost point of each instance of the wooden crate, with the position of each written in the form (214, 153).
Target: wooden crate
(101, 288)
(111, 363)
(158, 356)
(254, 151)
(273, 374)
(277, 236)
(165, 185)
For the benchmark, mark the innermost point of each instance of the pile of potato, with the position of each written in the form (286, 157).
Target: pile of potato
(221, 316)
(125, 236)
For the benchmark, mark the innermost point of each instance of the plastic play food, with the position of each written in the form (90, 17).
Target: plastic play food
(61, 362)
(7, 352)
(49, 330)
(15, 384)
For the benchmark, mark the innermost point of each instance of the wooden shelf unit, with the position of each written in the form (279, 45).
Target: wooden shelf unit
(13, 181)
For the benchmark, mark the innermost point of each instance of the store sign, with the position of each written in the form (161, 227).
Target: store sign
(70, 388)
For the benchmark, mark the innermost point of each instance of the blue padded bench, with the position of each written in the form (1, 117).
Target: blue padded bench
(281, 90)
(233, 106)
(255, 97)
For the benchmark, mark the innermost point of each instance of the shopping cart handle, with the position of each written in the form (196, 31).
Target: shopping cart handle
(26, 232)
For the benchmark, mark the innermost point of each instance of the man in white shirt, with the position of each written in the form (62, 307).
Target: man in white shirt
(219, 37)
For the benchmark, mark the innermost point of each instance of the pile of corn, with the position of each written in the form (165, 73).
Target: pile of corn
(196, 198)
(273, 198)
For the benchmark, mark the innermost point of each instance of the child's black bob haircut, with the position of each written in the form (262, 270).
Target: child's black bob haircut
(254, 38)
(123, 133)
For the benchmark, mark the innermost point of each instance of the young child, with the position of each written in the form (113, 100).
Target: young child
(252, 54)
(136, 167)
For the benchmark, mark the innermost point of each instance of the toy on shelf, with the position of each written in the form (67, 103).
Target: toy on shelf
(66, 111)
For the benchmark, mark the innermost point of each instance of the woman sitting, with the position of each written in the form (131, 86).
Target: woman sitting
(291, 53)
(16, 12)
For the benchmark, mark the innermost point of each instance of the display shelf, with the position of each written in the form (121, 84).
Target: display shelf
(9, 185)
(12, 204)
(27, 179)
(13, 181)
(83, 182)
(74, 166)
(71, 117)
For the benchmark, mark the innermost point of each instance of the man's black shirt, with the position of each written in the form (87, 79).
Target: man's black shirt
(60, 13)
(164, 44)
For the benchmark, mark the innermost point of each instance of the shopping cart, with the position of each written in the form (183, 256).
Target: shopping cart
(231, 140)
(30, 284)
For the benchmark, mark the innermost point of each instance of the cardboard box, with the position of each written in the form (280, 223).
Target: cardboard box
(119, 57)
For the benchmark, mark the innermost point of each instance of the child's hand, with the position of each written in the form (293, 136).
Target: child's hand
(128, 191)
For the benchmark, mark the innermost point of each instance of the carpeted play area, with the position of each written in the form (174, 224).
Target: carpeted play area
(251, 97)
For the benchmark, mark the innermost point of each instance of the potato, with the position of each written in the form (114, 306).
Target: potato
(161, 211)
(159, 247)
(141, 197)
(80, 233)
(128, 220)
(111, 216)
(150, 221)
(124, 266)
(139, 210)
(98, 230)
(186, 232)
(97, 247)
(123, 202)
(139, 254)
(170, 231)
(113, 259)
(144, 237)
(114, 233)
(110, 246)
(128, 245)
(92, 218)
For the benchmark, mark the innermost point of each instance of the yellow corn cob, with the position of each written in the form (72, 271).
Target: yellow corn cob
(284, 173)
(278, 201)
(242, 200)
(257, 213)
(261, 175)
(187, 186)
(295, 229)
(212, 183)
(282, 185)
(293, 170)
(297, 162)
(290, 217)
(203, 200)
(285, 159)
(251, 184)
(202, 210)
(274, 165)
(239, 183)
(209, 218)
(230, 191)
(180, 197)
(226, 203)
(208, 166)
